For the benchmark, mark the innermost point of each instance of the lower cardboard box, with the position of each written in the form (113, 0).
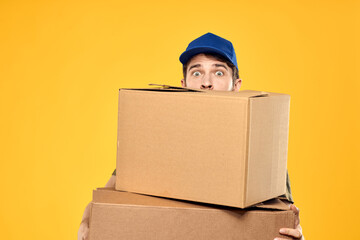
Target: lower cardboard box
(131, 216)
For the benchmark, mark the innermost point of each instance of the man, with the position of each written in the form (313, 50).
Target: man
(209, 62)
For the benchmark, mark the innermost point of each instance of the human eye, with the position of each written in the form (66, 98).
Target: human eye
(196, 74)
(219, 73)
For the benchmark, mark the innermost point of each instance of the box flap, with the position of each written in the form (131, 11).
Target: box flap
(110, 195)
(168, 88)
(164, 88)
(244, 93)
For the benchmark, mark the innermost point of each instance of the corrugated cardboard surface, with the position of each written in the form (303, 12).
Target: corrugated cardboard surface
(197, 145)
(268, 141)
(122, 215)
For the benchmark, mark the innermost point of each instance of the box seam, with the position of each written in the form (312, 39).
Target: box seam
(244, 200)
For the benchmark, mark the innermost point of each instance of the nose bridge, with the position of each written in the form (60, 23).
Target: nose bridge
(207, 80)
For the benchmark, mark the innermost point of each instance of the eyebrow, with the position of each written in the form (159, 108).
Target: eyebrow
(221, 65)
(216, 65)
(194, 66)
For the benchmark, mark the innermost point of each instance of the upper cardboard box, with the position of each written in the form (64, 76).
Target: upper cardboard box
(123, 215)
(227, 148)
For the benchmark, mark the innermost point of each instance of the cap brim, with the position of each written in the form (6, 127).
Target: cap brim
(188, 54)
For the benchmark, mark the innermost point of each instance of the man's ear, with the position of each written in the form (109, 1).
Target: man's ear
(183, 83)
(237, 85)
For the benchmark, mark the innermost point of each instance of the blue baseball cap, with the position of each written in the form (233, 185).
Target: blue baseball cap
(210, 43)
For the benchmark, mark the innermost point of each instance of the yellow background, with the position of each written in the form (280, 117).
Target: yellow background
(62, 62)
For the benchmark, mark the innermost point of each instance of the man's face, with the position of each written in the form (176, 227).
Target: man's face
(206, 72)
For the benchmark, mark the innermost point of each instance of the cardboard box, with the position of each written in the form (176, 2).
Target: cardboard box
(227, 148)
(130, 216)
